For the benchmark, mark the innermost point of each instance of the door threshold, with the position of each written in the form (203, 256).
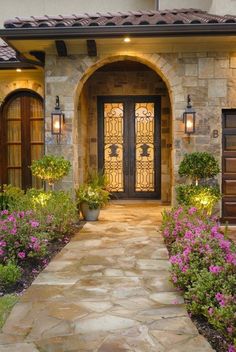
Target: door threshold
(138, 201)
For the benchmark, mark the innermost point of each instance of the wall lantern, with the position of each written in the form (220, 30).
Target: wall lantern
(189, 118)
(57, 120)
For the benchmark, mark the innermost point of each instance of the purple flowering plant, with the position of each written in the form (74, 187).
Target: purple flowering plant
(21, 237)
(203, 266)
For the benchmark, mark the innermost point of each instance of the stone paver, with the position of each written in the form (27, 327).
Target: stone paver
(108, 290)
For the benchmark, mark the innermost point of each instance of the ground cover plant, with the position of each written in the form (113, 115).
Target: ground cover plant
(204, 267)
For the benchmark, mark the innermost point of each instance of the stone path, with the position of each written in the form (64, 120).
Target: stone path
(108, 290)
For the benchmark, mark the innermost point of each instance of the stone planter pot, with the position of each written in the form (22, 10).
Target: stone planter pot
(89, 214)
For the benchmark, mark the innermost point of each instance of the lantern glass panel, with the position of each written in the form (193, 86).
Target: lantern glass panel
(189, 122)
(56, 123)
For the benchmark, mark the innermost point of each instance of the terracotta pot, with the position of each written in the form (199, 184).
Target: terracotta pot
(89, 214)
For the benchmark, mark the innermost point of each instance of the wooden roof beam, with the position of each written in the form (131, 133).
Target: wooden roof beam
(61, 48)
(91, 47)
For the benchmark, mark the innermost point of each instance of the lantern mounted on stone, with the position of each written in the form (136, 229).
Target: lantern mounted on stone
(57, 120)
(189, 117)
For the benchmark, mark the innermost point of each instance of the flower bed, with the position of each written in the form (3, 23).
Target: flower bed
(204, 267)
(35, 226)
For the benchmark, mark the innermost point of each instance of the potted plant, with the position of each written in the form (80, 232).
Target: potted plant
(90, 199)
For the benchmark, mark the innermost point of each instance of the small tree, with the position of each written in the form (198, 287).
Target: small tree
(199, 165)
(50, 168)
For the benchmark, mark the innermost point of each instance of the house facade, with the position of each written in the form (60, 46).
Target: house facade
(122, 79)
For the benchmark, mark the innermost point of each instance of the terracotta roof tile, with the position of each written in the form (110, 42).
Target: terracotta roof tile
(149, 17)
(7, 53)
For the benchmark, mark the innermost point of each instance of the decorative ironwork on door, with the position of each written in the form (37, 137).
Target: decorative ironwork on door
(144, 145)
(113, 146)
(129, 145)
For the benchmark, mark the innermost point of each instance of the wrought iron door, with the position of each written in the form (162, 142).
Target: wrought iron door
(129, 145)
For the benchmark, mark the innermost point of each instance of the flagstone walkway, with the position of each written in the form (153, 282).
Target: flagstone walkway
(108, 290)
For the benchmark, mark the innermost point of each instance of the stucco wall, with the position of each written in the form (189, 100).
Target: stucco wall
(210, 78)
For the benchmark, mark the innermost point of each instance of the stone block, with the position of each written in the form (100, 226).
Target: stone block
(217, 88)
(191, 70)
(233, 62)
(206, 67)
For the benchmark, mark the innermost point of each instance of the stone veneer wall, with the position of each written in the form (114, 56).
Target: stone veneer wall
(127, 83)
(11, 81)
(210, 78)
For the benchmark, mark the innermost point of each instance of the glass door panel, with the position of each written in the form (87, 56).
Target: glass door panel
(113, 146)
(144, 147)
(129, 145)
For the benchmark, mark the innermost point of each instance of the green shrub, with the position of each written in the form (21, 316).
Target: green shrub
(9, 275)
(50, 168)
(10, 196)
(199, 165)
(55, 209)
(202, 197)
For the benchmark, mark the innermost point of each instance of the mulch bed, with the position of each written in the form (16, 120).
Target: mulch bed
(216, 339)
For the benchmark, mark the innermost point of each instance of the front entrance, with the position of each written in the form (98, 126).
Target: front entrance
(129, 148)
(229, 166)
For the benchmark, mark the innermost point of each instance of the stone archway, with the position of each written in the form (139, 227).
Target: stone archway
(84, 148)
(66, 77)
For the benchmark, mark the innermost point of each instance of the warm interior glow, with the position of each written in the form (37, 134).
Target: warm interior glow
(57, 125)
(127, 40)
(189, 125)
(18, 70)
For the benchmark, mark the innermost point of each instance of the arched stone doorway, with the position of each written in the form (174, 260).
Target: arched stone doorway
(129, 84)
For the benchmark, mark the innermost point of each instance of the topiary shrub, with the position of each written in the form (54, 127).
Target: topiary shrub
(199, 165)
(50, 168)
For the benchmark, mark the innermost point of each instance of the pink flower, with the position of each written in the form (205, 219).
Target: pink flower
(21, 255)
(211, 311)
(192, 210)
(3, 244)
(230, 329)
(219, 296)
(34, 223)
(215, 269)
(1, 252)
(33, 239)
(231, 348)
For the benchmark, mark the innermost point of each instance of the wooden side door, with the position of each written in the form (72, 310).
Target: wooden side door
(22, 138)
(229, 165)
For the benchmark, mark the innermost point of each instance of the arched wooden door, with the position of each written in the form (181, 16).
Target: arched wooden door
(22, 138)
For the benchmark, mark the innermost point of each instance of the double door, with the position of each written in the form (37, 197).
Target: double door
(129, 148)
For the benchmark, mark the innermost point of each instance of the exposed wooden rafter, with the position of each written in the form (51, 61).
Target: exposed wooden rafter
(92, 47)
(39, 55)
(61, 48)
